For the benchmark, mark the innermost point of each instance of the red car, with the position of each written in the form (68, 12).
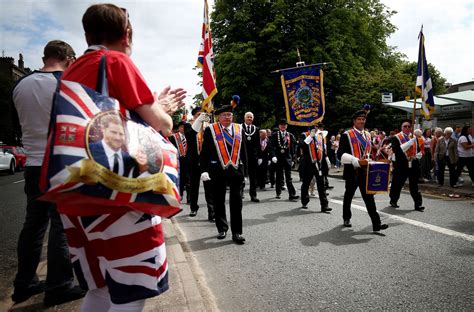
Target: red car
(20, 155)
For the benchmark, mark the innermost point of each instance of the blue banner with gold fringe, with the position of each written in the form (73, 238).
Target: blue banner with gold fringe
(304, 95)
(378, 177)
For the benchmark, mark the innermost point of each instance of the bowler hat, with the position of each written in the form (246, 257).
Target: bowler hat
(223, 109)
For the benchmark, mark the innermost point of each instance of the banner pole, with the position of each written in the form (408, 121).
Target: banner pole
(413, 114)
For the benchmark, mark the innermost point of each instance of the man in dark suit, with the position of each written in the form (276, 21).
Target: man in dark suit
(407, 152)
(194, 136)
(354, 150)
(178, 139)
(283, 145)
(311, 161)
(223, 161)
(108, 151)
(264, 161)
(252, 145)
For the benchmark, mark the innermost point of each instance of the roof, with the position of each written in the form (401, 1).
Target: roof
(439, 100)
(467, 95)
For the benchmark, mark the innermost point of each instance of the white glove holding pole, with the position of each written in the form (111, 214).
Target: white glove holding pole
(274, 160)
(406, 146)
(197, 124)
(205, 176)
(308, 139)
(419, 155)
(269, 163)
(348, 159)
(259, 161)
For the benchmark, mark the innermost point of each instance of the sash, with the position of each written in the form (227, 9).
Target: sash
(360, 146)
(182, 149)
(199, 139)
(415, 148)
(316, 152)
(225, 158)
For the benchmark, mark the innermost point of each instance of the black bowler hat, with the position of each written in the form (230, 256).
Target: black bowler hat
(196, 110)
(181, 123)
(223, 109)
(359, 113)
(406, 120)
(283, 122)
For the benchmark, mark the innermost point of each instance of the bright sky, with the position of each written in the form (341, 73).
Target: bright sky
(167, 34)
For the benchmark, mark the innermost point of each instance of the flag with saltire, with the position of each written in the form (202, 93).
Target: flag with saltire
(206, 62)
(424, 85)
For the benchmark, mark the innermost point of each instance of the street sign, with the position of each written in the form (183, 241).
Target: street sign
(387, 97)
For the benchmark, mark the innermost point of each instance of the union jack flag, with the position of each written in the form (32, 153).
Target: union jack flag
(206, 62)
(74, 110)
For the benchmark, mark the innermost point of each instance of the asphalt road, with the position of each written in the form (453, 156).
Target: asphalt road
(304, 260)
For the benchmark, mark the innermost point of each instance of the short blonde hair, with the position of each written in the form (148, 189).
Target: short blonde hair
(448, 130)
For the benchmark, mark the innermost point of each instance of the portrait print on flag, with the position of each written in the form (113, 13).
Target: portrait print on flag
(304, 95)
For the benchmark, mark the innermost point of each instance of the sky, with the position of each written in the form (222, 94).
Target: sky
(167, 34)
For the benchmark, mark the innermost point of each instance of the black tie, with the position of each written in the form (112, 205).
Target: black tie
(116, 164)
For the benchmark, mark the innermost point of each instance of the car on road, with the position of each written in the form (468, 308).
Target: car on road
(20, 156)
(7, 160)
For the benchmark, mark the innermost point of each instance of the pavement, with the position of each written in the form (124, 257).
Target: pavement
(188, 290)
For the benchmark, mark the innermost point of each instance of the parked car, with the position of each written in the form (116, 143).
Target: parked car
(20, 156)
(7, 160)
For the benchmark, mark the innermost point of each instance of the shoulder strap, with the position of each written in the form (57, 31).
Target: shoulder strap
(102, 86)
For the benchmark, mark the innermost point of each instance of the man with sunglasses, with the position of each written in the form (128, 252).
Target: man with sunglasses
(408, 152)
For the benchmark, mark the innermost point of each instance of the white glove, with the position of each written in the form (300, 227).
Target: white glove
(328, 162)
(418, 155)
(197, 124)
(246, 179)
(269, 162)
(325, 133)
(406, 146)
(348, 159)
(292, 163)
(259, 161)
(205, 176)
(274, 160)
(308, 139)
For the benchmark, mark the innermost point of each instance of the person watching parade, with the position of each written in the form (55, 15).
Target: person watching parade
(223, 163)
(354, 151)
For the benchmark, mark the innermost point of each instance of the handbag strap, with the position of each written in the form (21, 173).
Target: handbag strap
(102, 86)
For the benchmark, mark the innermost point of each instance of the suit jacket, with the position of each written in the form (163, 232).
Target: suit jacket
(345, 147)
(252, 145)
(440, 151)
(191, 139)
(305, 161)
(209, 159)
(98, 154)
(276, 148)
(265, 154)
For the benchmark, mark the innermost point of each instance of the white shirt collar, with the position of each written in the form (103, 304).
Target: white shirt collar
(110, 155)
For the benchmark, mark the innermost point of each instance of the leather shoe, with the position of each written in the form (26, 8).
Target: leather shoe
(421, 208)
(393, 204)
(326, 209)
(380, 227)
(278, 196)
(304, 206)
(64, 295)
(255, 199)
(193, 213)
(238, 238)
(25, 294)
(221, 235)
(330, 187)
(294, 197)
(347, 223)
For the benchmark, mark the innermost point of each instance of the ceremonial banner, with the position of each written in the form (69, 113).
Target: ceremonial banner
(304, 95)
(206, 62)
(423, 80)
(378, 177)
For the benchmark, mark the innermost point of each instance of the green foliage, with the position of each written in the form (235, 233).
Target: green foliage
(254, 38)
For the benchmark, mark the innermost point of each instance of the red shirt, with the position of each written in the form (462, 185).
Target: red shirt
(126, 84)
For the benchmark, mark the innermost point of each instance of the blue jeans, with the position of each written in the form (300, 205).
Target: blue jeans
(30, 242)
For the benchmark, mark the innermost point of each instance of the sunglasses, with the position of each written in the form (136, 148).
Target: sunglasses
(406, 126)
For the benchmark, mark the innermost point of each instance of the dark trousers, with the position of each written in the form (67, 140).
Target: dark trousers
(307, 176)
(252, 172)
(262, 174)
(30, 242)
(426, 165)
(358, 181)
(219, 184)
(184, 178)
(469, 163)
(452, 171)
(400, 175)
(195, 180)
(272, 173)
(283, 167)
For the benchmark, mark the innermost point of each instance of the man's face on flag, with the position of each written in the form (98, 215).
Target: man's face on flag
(114, 135)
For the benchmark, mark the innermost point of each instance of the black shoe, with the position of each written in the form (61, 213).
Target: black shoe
(421, 208)
(329, 187)
(347, 223)
(278, 196)
(294, 197)
(393, 204)
(304, 206)
(193, 213)
(238, 238)
(57, 297)
(380, 227)
(211, 218)
(25, 294)
(221, 235)
(326, 209)
(272, 186)
(255, 199)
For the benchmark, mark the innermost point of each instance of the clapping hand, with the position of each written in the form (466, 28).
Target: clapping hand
(171, 100)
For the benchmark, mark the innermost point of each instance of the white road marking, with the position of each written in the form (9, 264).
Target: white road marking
(427, 226)
(19, 181)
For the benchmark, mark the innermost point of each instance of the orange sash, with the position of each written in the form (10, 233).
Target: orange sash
(357, 147)
(199, 138)
(419, 145)
(316, 152)
(182, 148)
(227, 159)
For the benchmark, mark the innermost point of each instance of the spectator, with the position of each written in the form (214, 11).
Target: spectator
(457, 132)
(438, 133)
(446, 153)
(466, 153)
(426, 160)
